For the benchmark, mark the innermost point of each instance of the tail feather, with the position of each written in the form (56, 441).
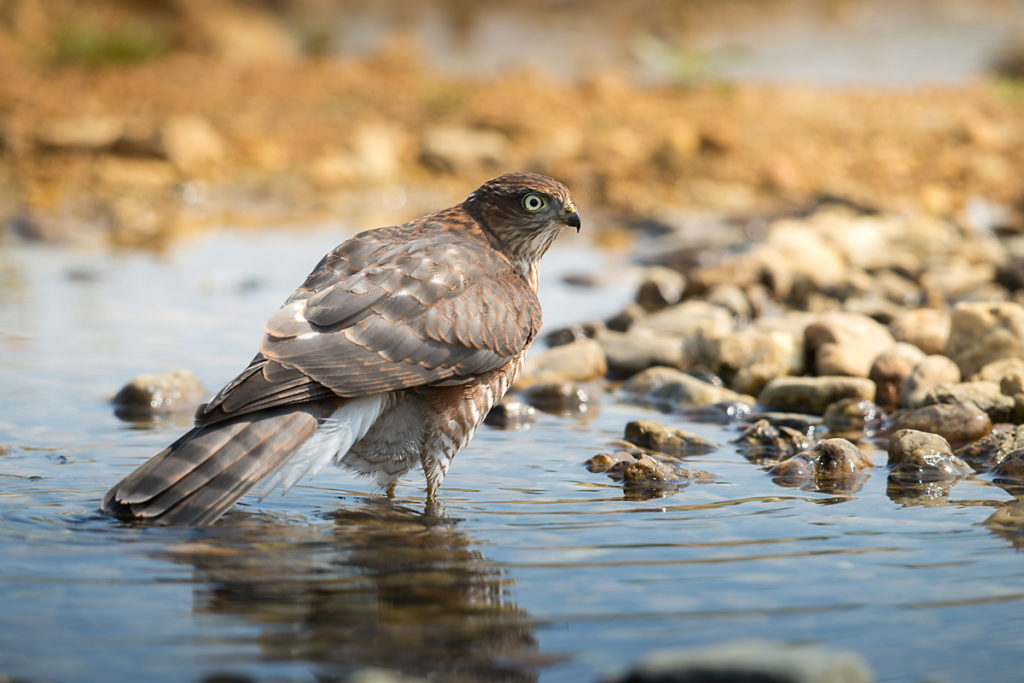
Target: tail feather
(202, 474)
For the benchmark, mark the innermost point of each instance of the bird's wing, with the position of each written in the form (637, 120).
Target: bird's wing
(382, 313)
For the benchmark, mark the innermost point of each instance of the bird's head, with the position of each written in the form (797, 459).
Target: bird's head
(525, 212)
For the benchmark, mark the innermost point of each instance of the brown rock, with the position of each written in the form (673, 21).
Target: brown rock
(988, 451)
(659, 437)
(955, 422)
(628, 353)
(579, 361)
(671, 388)
(813, 394)
(763, 442)
(916, 456)
(845, 343)
(661, 287)
(926, 375)
(149, 396)
(889, 370)
(981, 333)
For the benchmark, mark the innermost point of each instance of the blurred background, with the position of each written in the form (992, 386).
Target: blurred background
(131, 122)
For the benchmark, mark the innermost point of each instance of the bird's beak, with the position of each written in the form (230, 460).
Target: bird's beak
(570, 217)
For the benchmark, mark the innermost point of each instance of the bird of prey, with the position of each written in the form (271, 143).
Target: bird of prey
(388, 357)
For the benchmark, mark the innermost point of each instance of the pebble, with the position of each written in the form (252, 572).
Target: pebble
(627, 353)
(511, 415)
(813, 394)
(956, 422)
(890, 369)
(845, 343)
(750, 661)
(1010, 472)
(755, 356)
(853, 417)
(927, 374)
(660, 287)
(558, 398)
(829, 465)
(925, 328)
(762, 442)
(671, 389)
(643, 476)
(149, 396)
(672, 440)
(984, 394)
(983, 332)
(988, 451)
(917, 457)
(578, 361)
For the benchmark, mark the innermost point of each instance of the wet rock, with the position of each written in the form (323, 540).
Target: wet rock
(890, 369)
(802, 422)
(755, 356)
(763, 442)
(751, 662)
(628, 353)
(829, 465)
(459, 150)
(916, 456)
(725, 412)
(1009, 473)
(644, 477)
(955, 422)
(511, 415)
(981, 333)
(558, 398)
(983, 394)
(192, 144)
(1009, 516)
(671, 389)
(149, 396)
(926, 375)
(990, 450)
(813, 394)
(854, 418)
(661, 287)
(672, 440)
(845, 343)
(579, 361)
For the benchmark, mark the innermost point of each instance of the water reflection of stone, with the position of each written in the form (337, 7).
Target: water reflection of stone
(386, 586)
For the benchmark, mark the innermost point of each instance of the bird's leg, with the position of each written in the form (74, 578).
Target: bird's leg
(389, 491)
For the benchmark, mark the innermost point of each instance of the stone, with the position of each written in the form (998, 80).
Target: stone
(983, 394)
(148, 396)
(890, 369)
(628, 353)
(1010, 470)
(660, 287)
(559, 398)
(926, 375)
(916, 456)
(845, 343)
(656, 436)
(732, 298)
(672, 389)
(853, 417)
(457, 149)
(762, 442)
(511, 415)
(643, 476)
(750, 661)
(988, 451)
(955, 422)
(813, 394)
(981, 333)
(833, 465)
(84, 132)
(754, 356)
(578, 361)
(699, 323)
(192, 144)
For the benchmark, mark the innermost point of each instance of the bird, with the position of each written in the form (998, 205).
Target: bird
(387, 358)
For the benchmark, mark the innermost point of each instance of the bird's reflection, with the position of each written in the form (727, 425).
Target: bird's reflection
(383, 586)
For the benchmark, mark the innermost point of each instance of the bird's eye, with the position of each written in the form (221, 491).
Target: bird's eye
(534, 202)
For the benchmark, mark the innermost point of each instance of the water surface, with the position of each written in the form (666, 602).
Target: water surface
(529, 567)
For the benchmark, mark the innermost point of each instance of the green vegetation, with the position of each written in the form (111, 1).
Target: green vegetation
(87, 43)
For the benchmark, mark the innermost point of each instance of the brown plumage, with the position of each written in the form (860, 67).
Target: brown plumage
(387, 357)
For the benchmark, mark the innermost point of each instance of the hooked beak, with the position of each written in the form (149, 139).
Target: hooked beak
(570, 217)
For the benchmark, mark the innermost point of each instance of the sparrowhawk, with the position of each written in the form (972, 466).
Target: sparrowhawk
(388, 356)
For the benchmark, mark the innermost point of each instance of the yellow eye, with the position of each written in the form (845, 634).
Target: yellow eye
(534, 202)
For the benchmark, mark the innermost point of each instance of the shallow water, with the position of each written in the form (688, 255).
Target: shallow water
(530, 567)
